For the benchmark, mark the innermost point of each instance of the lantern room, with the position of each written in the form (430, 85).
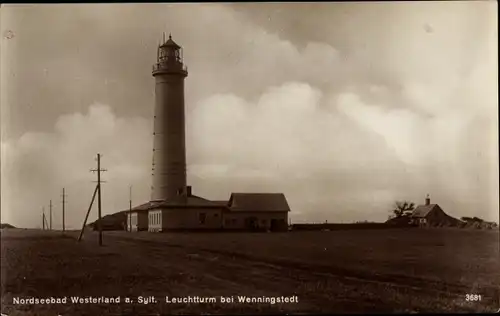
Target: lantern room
(169, 58)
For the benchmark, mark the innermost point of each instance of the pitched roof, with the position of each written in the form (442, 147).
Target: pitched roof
(170, 43)
(423, 210)
(180, 201)
(270, 202)
(222, 203)
(145, 206)
(192, 200)
(112, 219)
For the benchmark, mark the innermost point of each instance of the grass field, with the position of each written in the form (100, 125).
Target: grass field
(393, 270)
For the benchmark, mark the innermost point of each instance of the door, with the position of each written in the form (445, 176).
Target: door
(251, 223)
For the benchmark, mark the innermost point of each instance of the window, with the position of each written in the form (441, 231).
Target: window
(203, 218)
(162, 55)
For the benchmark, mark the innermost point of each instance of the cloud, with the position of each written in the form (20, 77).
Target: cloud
(38, 165)
(340, 149)
(336, 108)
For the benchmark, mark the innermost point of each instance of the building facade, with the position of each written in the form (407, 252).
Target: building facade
(137, 220)
(257, 211)
(243, 211)
(188, 218)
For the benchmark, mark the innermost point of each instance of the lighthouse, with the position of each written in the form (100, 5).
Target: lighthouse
(172, 205)
(169, 144)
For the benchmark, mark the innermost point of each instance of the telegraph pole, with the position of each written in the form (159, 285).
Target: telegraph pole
(43, 218)
(88, 212)
(50, 215)
(63, 210)
(99, 170)
(45, 224)
(129, 217)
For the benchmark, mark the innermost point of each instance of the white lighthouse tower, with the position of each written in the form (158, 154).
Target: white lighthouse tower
(169, 149)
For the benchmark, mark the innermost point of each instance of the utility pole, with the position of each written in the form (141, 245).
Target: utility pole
(63, 210)
(99, 170)
(129, 217)
(50, 215)
(43, 218)
(45, 224)
(88, 212)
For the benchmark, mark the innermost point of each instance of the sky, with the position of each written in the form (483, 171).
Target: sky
(344, 107)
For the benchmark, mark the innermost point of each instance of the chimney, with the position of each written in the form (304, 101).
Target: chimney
(186, 191)
(427, 200)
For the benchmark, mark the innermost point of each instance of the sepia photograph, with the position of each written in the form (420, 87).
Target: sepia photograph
(249, 158)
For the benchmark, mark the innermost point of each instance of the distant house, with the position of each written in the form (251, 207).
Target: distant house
(257, 211)
(116, 221)
(431, 215)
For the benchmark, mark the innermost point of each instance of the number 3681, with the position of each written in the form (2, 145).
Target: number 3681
(472, 297)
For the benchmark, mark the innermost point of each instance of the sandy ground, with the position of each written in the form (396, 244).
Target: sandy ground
(327, 272)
